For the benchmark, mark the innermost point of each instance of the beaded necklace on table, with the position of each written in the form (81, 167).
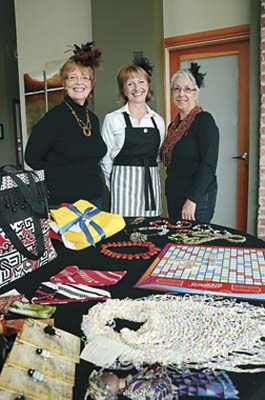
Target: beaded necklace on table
(85, 126)
(152, 250)
(199, 237)
(185, 232)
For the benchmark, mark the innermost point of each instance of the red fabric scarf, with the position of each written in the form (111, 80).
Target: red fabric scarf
(175, 132)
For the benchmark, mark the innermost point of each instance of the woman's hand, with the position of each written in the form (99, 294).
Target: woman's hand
(188, 210)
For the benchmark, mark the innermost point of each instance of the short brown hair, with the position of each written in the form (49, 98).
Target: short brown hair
(70, 65)
(127, 72)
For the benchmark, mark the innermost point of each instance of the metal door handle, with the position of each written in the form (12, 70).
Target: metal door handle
(243, 156)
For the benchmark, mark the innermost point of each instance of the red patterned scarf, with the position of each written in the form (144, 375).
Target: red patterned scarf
(176, 131)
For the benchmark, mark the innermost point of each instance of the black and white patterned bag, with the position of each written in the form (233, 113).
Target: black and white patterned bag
(25, 244)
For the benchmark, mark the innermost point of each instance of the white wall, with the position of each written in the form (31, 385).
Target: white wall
(188, 16)
(44, 30)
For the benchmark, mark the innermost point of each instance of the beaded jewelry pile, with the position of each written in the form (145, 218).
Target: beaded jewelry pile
(199, 237)
(185, 232)
(187, 331)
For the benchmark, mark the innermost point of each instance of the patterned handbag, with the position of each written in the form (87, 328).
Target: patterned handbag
(25, 244)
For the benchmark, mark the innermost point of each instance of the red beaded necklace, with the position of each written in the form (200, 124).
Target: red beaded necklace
(152, 250)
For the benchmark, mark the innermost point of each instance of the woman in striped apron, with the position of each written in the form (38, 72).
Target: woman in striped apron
(134, 134)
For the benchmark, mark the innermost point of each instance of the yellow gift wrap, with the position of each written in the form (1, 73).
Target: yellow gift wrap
(82, 224)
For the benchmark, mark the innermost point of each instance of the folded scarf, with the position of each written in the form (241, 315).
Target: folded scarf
(51, 293)
(82, 224)
(73, 275)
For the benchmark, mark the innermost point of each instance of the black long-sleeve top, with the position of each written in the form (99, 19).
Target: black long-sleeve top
(194, 160)
(70, 159)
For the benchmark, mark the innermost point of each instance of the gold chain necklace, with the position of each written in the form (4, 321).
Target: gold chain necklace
(85, 126)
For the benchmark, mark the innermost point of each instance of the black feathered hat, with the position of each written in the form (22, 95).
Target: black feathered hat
(143, 62)
(198, 76)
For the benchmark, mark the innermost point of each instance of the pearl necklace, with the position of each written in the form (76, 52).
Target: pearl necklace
(85, 126)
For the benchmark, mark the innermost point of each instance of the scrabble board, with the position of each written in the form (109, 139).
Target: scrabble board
(224, 271)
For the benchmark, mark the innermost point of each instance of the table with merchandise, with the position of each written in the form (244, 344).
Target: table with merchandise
(165, 309)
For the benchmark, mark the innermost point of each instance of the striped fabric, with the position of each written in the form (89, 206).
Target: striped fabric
(59, 293)
(73, 275)
(127, 191)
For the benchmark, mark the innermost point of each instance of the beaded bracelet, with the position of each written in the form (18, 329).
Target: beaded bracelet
(158, 230)
(183, 224)
(152, 250)
(203, 228)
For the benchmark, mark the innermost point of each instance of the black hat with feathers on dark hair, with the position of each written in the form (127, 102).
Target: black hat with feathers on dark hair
(143, 62)
(198, 76)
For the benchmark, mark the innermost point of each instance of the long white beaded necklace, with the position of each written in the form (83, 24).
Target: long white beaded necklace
(187, 331)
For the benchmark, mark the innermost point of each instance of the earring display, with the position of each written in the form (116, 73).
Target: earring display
(33, 384)
(59, 342)
(25, 355)
(8, 395)
(41, 363)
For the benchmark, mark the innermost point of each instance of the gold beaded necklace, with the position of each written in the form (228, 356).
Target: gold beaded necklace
(85, 126)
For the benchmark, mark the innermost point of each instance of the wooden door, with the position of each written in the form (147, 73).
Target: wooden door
(226, 96)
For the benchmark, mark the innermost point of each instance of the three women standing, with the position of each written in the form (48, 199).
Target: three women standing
(67, 144)
(134, 134)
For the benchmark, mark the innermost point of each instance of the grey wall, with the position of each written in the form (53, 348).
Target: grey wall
(120, 27)
(187, 16)
(8, 79)
(254, 117)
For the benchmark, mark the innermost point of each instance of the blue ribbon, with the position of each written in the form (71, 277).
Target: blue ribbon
(82, 220)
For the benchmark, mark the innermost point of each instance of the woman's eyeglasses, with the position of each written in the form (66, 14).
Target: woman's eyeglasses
(185, 89)
(75, 78)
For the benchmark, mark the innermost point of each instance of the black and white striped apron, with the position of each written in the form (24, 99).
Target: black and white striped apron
(135, 179)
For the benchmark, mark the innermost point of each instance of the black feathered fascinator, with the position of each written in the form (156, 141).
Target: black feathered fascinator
(143, 62)
(86, 54)
(198, 76)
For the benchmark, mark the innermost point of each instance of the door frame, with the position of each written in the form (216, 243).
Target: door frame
(232, 40)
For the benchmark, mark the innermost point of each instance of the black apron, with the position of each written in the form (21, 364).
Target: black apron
(140, 148)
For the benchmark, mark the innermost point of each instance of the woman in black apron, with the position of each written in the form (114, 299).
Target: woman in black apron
(134, 135)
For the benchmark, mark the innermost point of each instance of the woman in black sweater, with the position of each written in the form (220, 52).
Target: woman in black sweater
(66, 142)
(190, 152)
